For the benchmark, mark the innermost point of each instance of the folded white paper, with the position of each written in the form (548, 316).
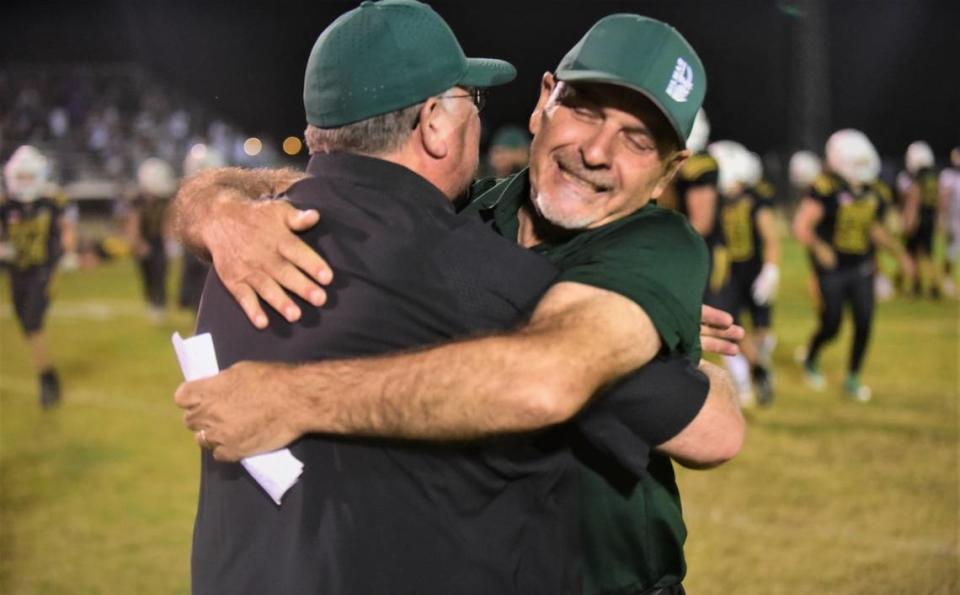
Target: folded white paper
(276, 471)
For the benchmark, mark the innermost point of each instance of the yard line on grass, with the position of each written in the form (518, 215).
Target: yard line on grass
(87, 309)
(27, 390)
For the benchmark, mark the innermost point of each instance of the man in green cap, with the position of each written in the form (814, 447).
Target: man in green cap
(509, 151)
(607, 137)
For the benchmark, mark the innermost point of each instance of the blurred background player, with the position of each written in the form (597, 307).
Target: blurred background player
(921, 211)
(193, 273)
(883, 288)
(147, 230)
(839, 221)
(950, 208)
(509, 151)
(764, 286)
(803, 169)
(37, 228)
(753, 251)
(695, 195)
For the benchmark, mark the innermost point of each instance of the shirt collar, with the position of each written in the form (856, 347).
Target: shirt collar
(502, 203)
(402, 183)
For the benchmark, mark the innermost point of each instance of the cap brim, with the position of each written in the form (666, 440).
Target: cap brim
(599, 76)
(487, 72)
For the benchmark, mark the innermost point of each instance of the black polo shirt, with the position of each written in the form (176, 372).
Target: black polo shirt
(379, 516)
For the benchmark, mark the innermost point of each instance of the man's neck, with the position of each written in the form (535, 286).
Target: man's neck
(423, 168)
(526, 232)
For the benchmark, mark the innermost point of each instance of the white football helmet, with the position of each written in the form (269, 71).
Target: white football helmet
(804, 168)
(700, 133)
(201, 157)
(737, 167)
(919, 155)
(25, 174)
(851, 155)
(156, 178)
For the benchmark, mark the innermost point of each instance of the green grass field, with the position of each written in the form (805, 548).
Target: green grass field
(828, 496)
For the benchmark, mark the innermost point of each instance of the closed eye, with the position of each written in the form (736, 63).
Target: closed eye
(640, 142)
(586, 114)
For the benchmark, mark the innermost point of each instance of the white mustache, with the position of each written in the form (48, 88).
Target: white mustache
(573, 167)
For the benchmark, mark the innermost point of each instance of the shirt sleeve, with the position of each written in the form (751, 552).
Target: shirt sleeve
(660, 263)
(822, 192)
(643, 410)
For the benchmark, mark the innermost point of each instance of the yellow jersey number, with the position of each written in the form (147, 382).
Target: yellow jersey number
(738, 230)
(30, 237)
(851, 234)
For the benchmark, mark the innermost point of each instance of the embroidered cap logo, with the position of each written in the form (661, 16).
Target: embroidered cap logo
(681, 83)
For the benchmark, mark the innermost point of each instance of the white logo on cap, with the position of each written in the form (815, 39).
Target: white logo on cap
(681, 83)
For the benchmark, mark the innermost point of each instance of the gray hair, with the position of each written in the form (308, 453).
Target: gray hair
(374, 136)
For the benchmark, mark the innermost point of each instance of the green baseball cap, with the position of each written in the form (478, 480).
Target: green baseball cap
(647, 56)
(388, 55)
(511, 137)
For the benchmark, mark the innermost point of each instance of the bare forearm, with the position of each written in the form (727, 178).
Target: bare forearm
(579, 340)
(132, 229)
(68, 237)
(885, 240)
(449, 393)
(716, 434)
(540, 375)
(803, 231)
(202, 197)
(701, 207)
(767, 226)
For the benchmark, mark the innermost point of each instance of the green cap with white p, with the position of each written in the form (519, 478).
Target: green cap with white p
(645, 55)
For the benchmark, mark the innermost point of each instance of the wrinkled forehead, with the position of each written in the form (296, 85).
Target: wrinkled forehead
(637, 108)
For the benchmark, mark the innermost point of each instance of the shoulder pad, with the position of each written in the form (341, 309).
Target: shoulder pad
(824, 185)
(765, 189)
(698, 165)
(884, 191)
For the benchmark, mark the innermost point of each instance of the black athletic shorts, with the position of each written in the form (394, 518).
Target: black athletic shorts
(742, 276)
(922, 239)
(30, 295)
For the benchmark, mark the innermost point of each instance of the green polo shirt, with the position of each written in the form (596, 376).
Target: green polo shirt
(633, 528)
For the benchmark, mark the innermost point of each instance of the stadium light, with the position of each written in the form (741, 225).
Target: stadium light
(252, 146)
(292, 145)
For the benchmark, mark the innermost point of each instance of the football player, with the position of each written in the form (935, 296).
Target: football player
(147, 230)
(839, 221)
(38, 228)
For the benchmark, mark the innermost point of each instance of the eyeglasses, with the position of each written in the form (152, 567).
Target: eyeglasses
(476, 94)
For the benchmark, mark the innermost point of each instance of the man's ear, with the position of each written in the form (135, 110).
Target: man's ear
(547, 85)
(434, 128)
(670, 169)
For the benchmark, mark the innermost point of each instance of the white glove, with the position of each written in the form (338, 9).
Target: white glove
(765, 285)
(70, 261)
(7, 252)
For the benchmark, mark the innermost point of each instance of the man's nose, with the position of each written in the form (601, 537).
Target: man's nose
(597, 149)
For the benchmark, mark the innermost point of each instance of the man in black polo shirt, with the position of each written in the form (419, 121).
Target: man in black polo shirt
(376, 516)
(583, 329)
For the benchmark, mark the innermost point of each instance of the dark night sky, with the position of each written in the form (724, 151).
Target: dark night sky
(893, 63)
